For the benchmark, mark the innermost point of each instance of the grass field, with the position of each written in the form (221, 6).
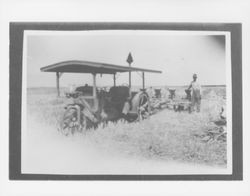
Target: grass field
(166, 135)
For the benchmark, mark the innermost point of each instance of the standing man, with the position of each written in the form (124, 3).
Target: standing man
(196, 94)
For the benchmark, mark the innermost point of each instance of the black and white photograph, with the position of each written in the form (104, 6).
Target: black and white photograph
(126, 102)
(116, 101)
(124, 97)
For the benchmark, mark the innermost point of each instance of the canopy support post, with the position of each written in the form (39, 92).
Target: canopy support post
(129, 77)
(58, 84)
(143, 80)
(114, 79)
(130, 90)
(130, 60)
(94, 85)
(94, 92)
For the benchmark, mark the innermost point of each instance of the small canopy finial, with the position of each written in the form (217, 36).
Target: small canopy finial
(130, 58)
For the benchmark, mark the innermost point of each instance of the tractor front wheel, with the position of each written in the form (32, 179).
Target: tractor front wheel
(70, 123)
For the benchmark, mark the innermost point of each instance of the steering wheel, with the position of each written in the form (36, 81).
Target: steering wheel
(125, 84)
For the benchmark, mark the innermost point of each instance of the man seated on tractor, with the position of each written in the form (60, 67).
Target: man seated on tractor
(126, 107)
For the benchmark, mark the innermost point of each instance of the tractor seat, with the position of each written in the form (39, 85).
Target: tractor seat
(119, 93)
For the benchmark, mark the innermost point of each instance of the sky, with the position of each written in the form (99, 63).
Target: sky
(177, 55)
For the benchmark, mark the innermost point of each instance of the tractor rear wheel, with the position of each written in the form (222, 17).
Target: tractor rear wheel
(143, 107)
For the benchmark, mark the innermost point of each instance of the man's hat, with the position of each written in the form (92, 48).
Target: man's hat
(195, 76)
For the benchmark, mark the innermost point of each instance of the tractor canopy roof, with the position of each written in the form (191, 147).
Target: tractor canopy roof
(76, 66)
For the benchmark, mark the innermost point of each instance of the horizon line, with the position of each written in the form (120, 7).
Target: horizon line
(206, 85)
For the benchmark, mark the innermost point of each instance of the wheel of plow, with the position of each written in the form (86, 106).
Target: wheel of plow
(143, 107)
(70, 124)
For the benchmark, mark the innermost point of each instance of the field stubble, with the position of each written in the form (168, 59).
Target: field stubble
(167, 135)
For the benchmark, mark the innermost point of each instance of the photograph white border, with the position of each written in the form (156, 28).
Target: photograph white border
(134, 32)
